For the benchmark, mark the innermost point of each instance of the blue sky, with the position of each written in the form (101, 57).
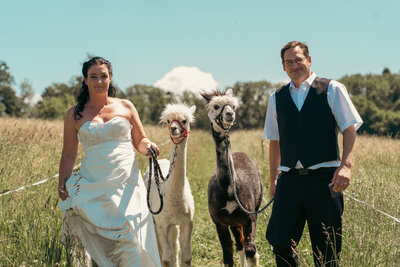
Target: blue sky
(47, 41)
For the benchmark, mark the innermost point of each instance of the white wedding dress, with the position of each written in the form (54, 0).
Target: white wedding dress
(106, 207)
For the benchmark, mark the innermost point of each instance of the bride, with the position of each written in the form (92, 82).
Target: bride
(104, 204)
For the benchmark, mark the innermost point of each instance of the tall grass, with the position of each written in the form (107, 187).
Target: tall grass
(30, 220)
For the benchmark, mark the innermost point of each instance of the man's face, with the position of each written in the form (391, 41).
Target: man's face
(296, 65)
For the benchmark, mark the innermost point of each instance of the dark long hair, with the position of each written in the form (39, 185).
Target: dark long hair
(83, 95)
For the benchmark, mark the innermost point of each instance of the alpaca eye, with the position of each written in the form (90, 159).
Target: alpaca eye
(184, 121)
(234, 107)
(216, 107)
(168, 121)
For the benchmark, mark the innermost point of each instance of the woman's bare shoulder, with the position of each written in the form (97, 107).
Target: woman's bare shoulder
(69, 121)
(70, 112)
(125, 107)
(127, 104)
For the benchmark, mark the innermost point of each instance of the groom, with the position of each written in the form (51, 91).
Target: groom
(301, 123)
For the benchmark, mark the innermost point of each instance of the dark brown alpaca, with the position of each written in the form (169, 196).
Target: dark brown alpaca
(224, 210)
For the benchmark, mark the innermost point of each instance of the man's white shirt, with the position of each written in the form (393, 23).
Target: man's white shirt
(338, 100)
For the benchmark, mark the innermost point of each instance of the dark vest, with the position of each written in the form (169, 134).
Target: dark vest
(308, 135)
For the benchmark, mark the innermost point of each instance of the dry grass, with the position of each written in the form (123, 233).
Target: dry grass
(30, 220)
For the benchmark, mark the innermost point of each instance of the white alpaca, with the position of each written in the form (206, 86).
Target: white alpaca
(176, 217)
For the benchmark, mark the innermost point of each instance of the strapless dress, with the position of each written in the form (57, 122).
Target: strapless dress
(106, 208)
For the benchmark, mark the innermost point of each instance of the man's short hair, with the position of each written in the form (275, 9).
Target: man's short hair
(293, 44)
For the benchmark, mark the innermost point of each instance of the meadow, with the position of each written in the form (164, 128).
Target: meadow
(30, 221)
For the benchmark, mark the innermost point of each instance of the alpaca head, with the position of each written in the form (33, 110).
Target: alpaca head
(178, 117)
(221, 109)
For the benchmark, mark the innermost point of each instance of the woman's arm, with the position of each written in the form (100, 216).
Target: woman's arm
(69, 152)
(139, 137)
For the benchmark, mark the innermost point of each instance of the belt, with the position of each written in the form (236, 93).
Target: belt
(304, 172)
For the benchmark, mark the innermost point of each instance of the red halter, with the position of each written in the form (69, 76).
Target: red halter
(183, 135)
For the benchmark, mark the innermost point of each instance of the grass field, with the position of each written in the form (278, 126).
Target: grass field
(30, 220)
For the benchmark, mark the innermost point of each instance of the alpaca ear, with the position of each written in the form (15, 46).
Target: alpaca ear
(192, 109)
(206, 96)
(229, 92)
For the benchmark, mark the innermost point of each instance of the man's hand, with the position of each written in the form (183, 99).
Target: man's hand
(341, 178)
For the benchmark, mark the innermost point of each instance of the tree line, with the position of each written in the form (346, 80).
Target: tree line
(375, 96)
(377, 99)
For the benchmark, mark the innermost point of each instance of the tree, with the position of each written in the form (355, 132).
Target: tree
(377, 99)
(54, 107)
(2, 109)
(57, 98)
(202, 120)
(254, 98)
(5, 77)
(26, 97)
(149, 101)
(386, 71)
(10, 104)
(10, 100)
(355, 84)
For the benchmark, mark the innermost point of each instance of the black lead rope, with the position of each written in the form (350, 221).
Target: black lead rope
(156, 180)
(154, 166)
(232, 183)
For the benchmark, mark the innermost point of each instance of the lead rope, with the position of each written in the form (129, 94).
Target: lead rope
(232, 183)
(157, 175)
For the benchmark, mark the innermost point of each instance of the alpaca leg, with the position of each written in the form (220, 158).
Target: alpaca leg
(166, 249)
(237, 232)
(250, 244)
(186, 246)
(173, 236)
(158, 236)
(242, 258)
(226, 243)
(253, 261)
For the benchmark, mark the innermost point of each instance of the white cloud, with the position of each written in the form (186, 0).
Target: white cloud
(34, 99)
(184, 78)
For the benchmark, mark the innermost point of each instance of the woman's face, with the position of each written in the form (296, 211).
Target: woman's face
(98, 79)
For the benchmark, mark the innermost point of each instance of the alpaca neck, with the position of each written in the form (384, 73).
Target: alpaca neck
(221, 151)
(178, 174)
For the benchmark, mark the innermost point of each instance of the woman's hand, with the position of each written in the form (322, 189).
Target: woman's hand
(154, 146)
(62, 191)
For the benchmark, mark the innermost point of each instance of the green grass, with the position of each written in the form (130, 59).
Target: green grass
(30, 221)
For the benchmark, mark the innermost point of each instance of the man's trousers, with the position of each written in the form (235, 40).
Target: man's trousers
(300, 196)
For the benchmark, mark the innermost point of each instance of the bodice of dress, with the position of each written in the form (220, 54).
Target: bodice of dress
(93, 133)
(109, 161)
(108, 149)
